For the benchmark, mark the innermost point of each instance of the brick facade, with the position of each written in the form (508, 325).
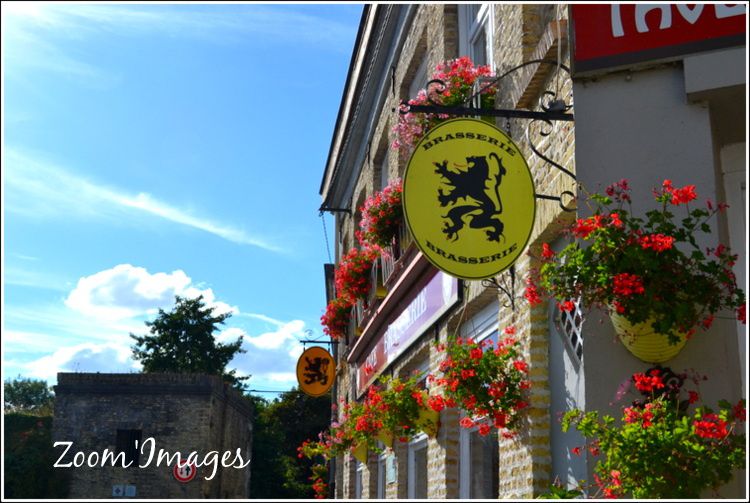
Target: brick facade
(521, 33)
(181, 412)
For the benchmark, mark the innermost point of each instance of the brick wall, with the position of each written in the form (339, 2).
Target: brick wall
(182, 412)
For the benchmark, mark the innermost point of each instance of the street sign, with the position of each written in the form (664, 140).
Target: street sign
(184, 472)
(315, 371)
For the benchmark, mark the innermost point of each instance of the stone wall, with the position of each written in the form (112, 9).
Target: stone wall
(181, 412)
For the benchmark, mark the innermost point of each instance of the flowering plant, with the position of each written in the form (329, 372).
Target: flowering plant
(381, 216)
(319, 475)
(316, 450)
(336, 318)
(660, 449)
(644, 268)
(352, 276)
(485, 382)
(459, 76)
(393, 408)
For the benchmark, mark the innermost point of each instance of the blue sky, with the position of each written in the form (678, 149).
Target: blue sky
(152, 150)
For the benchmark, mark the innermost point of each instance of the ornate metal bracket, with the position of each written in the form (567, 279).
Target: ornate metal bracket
(559, 199)
(507, 287)
(310, 341)
(556, 110)
(553, 109)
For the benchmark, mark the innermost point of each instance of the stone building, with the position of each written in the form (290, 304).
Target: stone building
(654, 129)
(182, 413)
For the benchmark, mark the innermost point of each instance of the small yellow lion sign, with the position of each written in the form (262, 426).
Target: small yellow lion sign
(316, 371)
(469, 198)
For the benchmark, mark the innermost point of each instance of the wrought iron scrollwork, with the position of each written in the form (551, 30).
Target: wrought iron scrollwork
(507, 286)
(555, 111)
(559, 199)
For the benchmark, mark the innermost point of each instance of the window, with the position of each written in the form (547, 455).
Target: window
(478, 464)
(417, 468)
(569, 328)
(129, 442)
(475, 40)
(419, 80)
(735, 186)
(566, 383)
(478, 455)
(359, 468)
(381, 476)
(384, 172)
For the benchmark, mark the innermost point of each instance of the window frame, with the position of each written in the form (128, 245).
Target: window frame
(359, 467)
(469, 27)
(418, 443)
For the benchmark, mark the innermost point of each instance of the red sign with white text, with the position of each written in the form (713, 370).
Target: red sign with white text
(620, 35)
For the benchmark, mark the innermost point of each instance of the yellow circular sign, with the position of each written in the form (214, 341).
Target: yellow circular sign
(315, 371)
(469, 198)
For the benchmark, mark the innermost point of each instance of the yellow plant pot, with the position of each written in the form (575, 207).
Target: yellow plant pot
(429, 419)
(644, 342)
(359, 452)
(380, 291)
(386, 437)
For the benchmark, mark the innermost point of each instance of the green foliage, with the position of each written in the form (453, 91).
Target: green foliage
(280, 426)
(660, 450)
(557, 491)
(32, 396)
(183, 341)
(644, 268)
(485, 382)
(28, 459)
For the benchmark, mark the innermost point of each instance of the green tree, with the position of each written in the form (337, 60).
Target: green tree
(28, 396)
(182, 340)
(28, 459)
(280, 427)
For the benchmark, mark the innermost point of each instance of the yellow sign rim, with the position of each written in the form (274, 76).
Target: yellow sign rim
(297, 368)
(533, 206)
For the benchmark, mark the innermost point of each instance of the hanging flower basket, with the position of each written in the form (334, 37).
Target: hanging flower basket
(382, 215)
(352, 277)
(429, 420)
(644, 342)
(336, 318)
(648, 270)
(359, 451)
(385, 437)
(459, 76)
(486, 382)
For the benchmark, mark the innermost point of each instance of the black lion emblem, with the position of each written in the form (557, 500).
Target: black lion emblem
(482, 206)
(316, 370)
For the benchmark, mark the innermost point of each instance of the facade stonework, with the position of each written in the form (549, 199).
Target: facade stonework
(181, 412)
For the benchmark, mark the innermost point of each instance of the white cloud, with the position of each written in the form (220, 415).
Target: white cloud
(87, 357)
(288, 332)
(127, 291)
(33, 278)
(263, 317)
(284, 377)
(40, 189)
(62, 325)
(230, 334)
